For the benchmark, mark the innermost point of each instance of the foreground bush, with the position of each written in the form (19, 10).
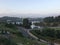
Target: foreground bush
(5, 41)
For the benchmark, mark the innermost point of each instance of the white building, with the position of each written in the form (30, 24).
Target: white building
(19, 23)
(14, 22)
(35, 27)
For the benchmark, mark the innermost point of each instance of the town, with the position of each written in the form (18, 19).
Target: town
(29, 22)
(44, 31)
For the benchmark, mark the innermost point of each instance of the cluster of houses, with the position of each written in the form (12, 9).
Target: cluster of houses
(4, 32)
(14, 22)
(20, 22)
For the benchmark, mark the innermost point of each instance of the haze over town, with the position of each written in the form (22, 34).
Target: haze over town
(29, 8)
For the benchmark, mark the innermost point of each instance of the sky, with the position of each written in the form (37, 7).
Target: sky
(29, 8)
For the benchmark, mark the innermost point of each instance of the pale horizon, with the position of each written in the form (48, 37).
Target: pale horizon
(29, 8)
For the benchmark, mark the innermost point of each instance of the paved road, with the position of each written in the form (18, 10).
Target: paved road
(23, 31)
(26, 33)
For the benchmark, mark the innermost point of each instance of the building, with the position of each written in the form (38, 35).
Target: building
(35, 27)
(14, 22)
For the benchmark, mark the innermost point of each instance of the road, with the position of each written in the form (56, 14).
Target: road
(26, 33)
(23, 31)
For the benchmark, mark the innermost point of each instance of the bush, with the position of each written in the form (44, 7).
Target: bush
(47, 32)
(5, 41)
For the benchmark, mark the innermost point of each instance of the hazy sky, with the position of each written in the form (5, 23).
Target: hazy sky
(29, 8)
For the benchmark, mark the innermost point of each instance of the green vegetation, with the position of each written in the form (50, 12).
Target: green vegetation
(52, 21)
(10, 26)
(5, 41)
(16, 37)
(48, 34)
(26, 23)
(49, 22)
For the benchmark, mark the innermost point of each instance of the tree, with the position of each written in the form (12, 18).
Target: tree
(49, 19)
(58, 34)
(26, 23)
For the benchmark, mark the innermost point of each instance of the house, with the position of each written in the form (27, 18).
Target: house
(4, 32)
(14, 22)
(19, 23)
(35, 27)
